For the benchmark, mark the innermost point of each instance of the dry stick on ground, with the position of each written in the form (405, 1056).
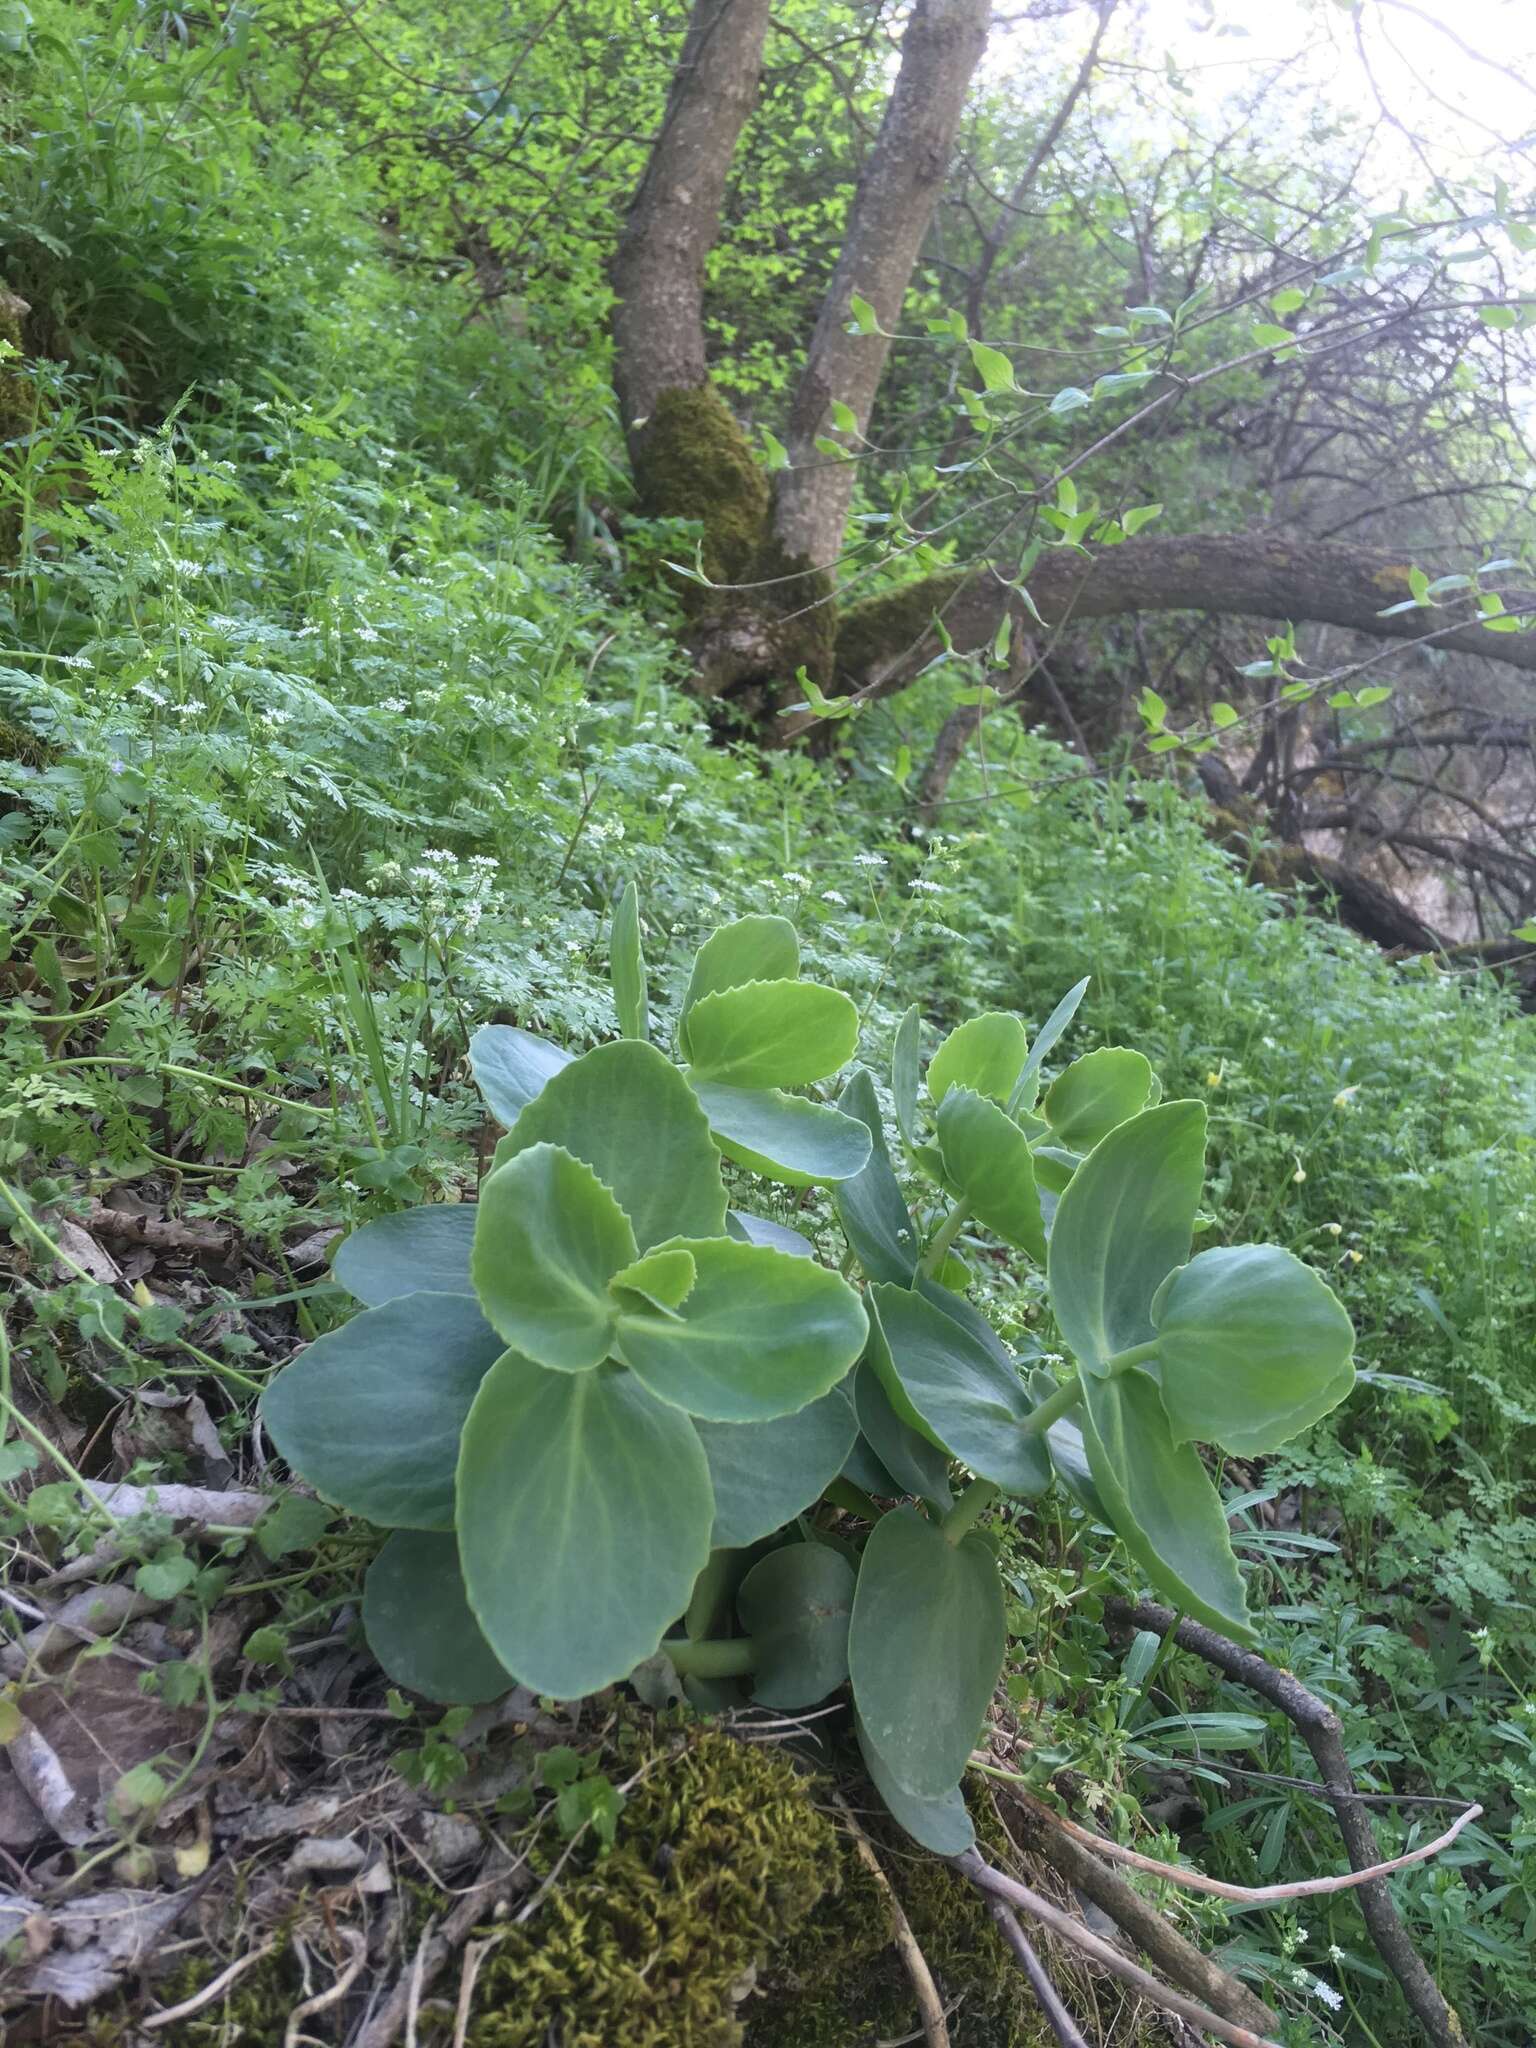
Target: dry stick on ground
(930, 2007)
(1187, 1966)
(1063, 2026)
(996, 1884)
(1321, 1730)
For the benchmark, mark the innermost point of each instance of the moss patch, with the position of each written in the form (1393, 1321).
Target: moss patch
(693, 462)
(721, 1855)
(878, 627)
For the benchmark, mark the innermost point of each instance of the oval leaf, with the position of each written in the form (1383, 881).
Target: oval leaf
(756, 948)
(987, 1161)
(772, 1034)
(370, 1414)
(584, 1514)
(783, 1137)
(1122, 1225)
(904, 1071)
(549, 1239)
(663, 1278)
(870, 1207)
(748, 1229)
(1253, 1347)
(1097, 1092)
(969, 1401)
(1161, 1503)
(924, 1649)
(985, 1054)
(628, 1113)
(760, 1335)
(511, 1067)
(419, 1626)
(795, 1605)
(914, 1463)
(765, 1473)
(941, 1825)
(425, 1249)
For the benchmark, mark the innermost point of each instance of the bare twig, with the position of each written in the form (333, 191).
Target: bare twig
(214, 1988)
(929, 2004)
(323, 2000)
(1063, 2026)
(997, 1884)
(1321, 1730)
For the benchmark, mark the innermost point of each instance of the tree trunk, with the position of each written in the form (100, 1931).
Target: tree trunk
(891, 211)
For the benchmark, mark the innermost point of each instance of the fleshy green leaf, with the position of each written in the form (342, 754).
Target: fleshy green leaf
(778, 1237)
(795, 1605)
(628, 1113)
(766, 1473)
(511, 1066)
(1027, 1085)
(904, 1072)
(924, 1649)
(584, 1514)
(772, 1034)
(1097, 1092)
(965, 1398)
(875, 1218)
(549, 1239)
(419, 1626)
(985, 1054)
(756, 948)
(1122, 1225)
(942, 1825)
(370, 1414)
(912, 1461)
(626, 965)
(419, 1249)
(760, 1335)
(987, 1161)
(1161, 1503)
(663, 1278)
(1253, 1347)
(783, 1137)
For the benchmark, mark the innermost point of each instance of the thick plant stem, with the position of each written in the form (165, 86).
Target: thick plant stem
(975, 1500)
(1062, 1402)
(1137, 1354)
(722, 1657)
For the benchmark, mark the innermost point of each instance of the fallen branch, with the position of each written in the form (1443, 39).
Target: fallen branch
(1259, 1894)
(930, 2006)
(215, 1988)
(1062, 2024)
(162, 1236)
(997, 1884)
(1044, 1835)
(1320, 1728)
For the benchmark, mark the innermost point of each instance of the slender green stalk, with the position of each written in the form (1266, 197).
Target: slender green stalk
(943, 1238)
(977, 1497)
(731, 1657)
(219, 1082)
(1062, 1402)
(1137, 1354)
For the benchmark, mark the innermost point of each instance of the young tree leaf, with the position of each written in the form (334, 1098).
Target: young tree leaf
(795, 1605)
(626, 966)
(425, 1249)
(419, 1626)
(1122, 1225)
(992, 367)
(924, 1649)
(942, 1825)
(1253, 1347)
(1161, 1503)
(629, 1114)
(965, 1398)
(915, 1464)
(584, 1513)
(904, 1072)
(370, 1414)
(1097, 1092)
(985, 1054)
(772, 1034)
(549, 1239)
(760, 1335)
(875, 1218)
(783, 1137)
(511, 1066)
(987, 1161)
(765, 1473)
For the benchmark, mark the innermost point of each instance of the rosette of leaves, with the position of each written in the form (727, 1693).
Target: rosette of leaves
(562, 1397)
